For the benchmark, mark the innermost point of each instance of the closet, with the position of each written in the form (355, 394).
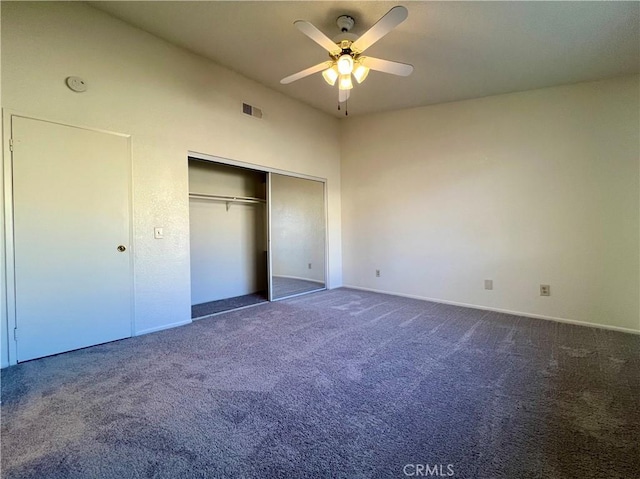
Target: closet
(256, 235)
(227, 224)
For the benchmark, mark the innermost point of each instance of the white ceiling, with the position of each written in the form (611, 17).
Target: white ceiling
(460, 50)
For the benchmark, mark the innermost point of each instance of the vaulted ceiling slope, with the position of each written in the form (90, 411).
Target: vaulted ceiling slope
(460, 50)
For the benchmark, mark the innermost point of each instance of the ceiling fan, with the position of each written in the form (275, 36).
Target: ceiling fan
(346, 52)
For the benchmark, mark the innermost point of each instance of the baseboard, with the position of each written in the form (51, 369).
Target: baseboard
(162, 328)
(498, 310)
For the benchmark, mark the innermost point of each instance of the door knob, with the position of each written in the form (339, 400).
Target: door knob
(122, 248)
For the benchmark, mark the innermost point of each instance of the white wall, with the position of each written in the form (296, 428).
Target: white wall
(297, 227)
(526, 188)
(227, 255)
(171, 102)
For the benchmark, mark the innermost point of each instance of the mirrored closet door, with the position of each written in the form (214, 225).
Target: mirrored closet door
(297, 235)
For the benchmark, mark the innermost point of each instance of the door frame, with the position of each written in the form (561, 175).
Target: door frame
(268, 170)
(8, 297)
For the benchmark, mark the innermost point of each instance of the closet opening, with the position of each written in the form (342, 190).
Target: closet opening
(256, 235)
(228, 235)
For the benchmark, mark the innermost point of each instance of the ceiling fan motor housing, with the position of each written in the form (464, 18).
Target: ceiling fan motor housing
(345, 23)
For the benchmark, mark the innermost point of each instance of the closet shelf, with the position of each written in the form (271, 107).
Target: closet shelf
(227, 199)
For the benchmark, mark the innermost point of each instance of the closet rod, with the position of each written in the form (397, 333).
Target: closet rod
(235, 199)
(227, 199)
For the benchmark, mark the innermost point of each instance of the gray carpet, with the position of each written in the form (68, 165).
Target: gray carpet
(334, 384)
(284, 287)
(221, 305)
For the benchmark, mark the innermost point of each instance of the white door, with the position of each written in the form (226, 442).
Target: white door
(71, 193)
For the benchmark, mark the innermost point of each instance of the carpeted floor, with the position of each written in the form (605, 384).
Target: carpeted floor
(221, 305)
(284, 287)
(334, 384)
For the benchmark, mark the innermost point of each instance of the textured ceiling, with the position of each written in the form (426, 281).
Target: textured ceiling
(460, 50)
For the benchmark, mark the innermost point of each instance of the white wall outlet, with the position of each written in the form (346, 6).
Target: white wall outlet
(377, 273)
(488, 284)
(158, 233)
(545, 290)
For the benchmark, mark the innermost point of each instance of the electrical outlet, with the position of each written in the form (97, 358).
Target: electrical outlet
(545, 290)
(377, 273)
(309, 265)
(488, 284)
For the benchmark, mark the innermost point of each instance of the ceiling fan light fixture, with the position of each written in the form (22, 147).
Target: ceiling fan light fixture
(346, 52)
(345, 82)
(360, 73)
(345, 64)
(330, 75)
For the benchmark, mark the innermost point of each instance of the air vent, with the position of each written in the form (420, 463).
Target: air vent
(251, 110)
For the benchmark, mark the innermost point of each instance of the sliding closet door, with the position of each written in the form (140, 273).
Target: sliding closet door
(297, 235)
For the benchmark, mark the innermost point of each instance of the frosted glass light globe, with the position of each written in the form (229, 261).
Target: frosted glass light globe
(345, 64)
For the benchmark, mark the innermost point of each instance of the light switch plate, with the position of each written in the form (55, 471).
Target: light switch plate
(158, 233)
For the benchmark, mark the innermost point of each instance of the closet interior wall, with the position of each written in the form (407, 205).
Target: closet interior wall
(228, 237)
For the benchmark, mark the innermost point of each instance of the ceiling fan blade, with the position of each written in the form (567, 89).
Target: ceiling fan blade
(386, 66)
(317, 36)
(307, 72)
(388, 22)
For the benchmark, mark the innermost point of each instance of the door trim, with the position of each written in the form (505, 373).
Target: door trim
(251, 166)
(269, 261)
(8, 251)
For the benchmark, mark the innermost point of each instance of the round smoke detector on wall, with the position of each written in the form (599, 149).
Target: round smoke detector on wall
(76, 84)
